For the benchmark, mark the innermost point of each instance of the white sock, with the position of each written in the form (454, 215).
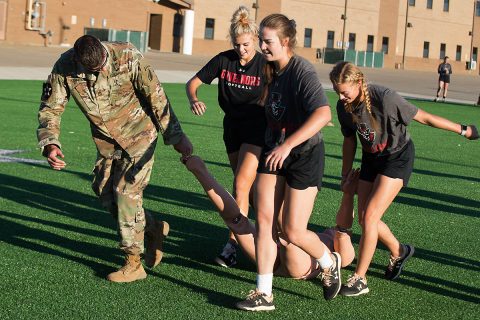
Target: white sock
(325, 261)
(264, 283)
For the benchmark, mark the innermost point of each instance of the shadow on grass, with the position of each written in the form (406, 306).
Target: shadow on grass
(428, 283)
(30, 237)
(189, 237)
(215, 297)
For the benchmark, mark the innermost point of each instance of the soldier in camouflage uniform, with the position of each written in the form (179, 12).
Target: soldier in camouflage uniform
(126, 106)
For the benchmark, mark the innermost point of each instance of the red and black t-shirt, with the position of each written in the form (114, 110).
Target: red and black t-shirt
(391, 111)
(239, 87)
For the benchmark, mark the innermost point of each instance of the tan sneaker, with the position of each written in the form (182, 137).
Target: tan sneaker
(131, 271)
(154, 243)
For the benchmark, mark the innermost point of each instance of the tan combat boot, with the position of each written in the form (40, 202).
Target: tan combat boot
(154, 237)
(131, 271)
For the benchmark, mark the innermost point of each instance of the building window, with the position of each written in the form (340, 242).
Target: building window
(370, 43)
(426, 49)
(385, 45)
(458, 54)
(209, 28)
(411, 3)
(477, 8)
(446, 5)
(351, 41)
(429, 4)
(307, 42)
(443, 48)
(330, 38)
(475, 54)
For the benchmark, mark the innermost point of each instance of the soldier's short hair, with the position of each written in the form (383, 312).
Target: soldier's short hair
(90, 52)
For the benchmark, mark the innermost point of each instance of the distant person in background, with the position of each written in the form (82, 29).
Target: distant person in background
(126, 106)
(444, 71)
(240, 74)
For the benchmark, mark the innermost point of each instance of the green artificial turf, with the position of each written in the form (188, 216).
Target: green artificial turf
(57, 244)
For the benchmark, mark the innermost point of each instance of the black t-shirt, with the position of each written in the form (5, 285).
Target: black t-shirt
(239, 87)
(392, 112)
(292, 97)
(444, 68)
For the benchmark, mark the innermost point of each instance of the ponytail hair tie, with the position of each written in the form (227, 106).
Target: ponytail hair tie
(293, 23)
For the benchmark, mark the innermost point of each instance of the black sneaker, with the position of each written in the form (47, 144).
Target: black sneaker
(331, 279)
(256, 301)
(228, 257)
(355, 286)
(396, 264)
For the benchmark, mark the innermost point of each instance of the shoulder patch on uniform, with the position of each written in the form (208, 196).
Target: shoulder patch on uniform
(47, 89)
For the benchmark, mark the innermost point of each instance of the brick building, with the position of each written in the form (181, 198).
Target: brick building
(414, 34)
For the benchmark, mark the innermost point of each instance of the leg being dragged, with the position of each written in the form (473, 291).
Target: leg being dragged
(228, 209)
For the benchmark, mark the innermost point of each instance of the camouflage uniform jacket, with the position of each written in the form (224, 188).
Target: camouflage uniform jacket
(125, 103)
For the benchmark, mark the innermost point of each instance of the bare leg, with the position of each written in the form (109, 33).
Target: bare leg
(243, 229)
(440, 87)
(244, 165)
(445, 90)
(270, 194)
(296, 213)
(374, 204)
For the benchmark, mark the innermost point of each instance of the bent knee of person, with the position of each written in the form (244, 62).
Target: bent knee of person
(369, 222)
(242, 186)
(347, 257)
(294, 235)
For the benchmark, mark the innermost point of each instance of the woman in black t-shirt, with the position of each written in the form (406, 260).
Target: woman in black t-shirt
(240, 84)
(291, 164)
(379, 117)
(444, 71)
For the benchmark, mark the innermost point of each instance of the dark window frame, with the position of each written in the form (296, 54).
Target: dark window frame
(308, 44)
(209, 30)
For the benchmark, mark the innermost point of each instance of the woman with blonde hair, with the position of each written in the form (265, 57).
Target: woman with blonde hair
(240, 74)
(291, 164)
(379, 117)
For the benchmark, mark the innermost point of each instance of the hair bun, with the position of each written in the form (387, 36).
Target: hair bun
(293, 23)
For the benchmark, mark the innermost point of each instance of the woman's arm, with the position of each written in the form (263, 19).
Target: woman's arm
(198, 107)
(349, 149)
(315, 122)
(435, 121)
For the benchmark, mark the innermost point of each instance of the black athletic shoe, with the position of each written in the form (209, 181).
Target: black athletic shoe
(228, 257)
(355, 286)
(396, 264)
(331, 279)
(256, 301)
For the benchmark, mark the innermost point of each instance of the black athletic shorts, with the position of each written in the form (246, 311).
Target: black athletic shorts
(300, 170)
(396, 165)
(445, 78)
(238, 132)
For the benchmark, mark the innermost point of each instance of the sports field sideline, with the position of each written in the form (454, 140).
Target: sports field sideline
(57, 244)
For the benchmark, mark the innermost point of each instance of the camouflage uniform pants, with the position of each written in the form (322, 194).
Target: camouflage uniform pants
(119, 182)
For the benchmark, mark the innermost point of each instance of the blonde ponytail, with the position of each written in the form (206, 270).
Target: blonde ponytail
(242, 24)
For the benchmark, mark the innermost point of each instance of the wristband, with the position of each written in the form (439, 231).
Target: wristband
(463, 131)
(341, 229)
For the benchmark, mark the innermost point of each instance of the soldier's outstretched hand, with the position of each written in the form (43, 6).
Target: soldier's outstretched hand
(184, 146)
(53, 153)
